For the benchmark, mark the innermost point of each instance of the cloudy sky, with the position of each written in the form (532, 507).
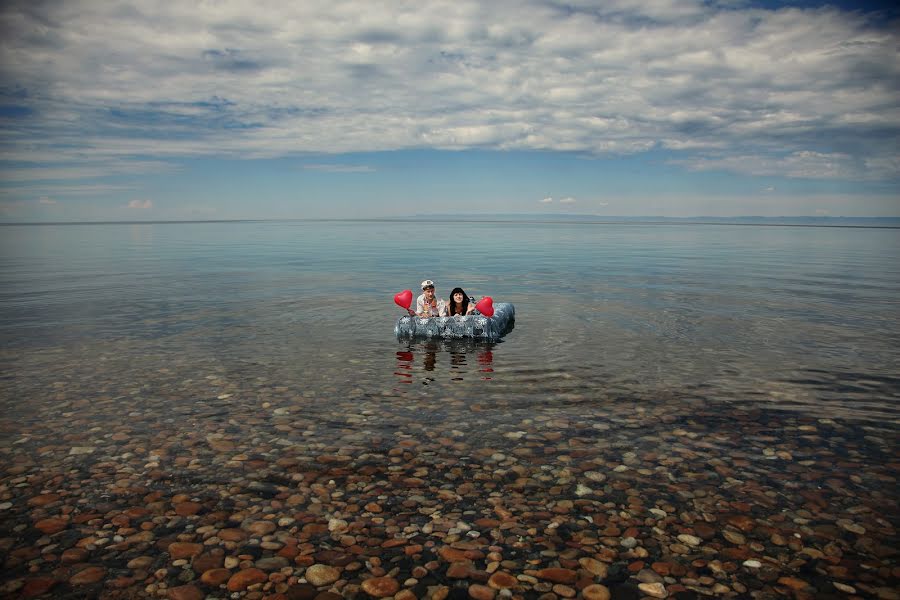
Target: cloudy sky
(226, 109)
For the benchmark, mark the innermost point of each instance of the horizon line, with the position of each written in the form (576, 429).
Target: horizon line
(522, 217)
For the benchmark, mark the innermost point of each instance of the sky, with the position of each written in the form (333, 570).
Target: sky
(325, 109)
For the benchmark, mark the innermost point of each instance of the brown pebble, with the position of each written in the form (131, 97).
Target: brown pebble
(52, 525)
(452, 554)
(37, 586)
(302, 591)
(140, 562)
(231, 535)
(88, 575)
(594, 567)
(481, 592)
(205, 562)
(654, 590)
(120, 583)
(596, 592)
(793, 583)
(261, 527)
(380, 587)
(215, 576)
(459, 570)
(186, 509)
(557, 575)
(43, 500)
(319, 575)
(74, 555)
(245, 578)
(185, 592)
(502, 580)
(179, 550)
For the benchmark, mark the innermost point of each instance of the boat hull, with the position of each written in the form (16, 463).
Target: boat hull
(469, 326)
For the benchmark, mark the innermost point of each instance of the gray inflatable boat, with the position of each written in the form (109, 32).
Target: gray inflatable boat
(471, 326)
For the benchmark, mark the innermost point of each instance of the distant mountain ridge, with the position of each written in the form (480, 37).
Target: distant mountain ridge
(742, 220)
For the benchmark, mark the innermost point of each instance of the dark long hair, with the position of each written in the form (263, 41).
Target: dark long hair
(465, 303)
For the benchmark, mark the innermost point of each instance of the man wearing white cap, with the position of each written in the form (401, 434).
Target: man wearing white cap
(426, 304)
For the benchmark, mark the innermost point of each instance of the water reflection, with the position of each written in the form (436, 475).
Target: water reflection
(455, 359)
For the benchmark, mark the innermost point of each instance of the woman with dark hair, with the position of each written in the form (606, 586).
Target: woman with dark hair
(459, 303)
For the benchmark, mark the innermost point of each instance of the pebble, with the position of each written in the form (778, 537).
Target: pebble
(502, 580)
(88, 575)
(452, 496)
(185, 592)
(481, 592)
(752, 564)
(654, 590)
(245, 578)
(215, 577)
(319, 575)
(380, 587)
(557, 575)
(596, 592)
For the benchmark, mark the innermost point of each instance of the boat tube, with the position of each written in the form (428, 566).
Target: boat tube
(470, 326)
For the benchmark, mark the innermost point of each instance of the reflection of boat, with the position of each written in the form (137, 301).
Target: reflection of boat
(459, 351)
(470, 326)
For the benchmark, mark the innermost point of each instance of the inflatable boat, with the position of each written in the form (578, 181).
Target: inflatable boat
(470, 326)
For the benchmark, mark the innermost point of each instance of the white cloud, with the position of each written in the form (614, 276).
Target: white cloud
(140, 204)
(47, 201)
(73, 189)
(339, 168)
(567, 200)
(137, 87)
(547, 200)
(804, 164)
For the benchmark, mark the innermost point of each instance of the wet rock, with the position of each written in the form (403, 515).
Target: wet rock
(245, 578)
(185, 592)
(37, 586)
(183, 550)
(319, 575)
(596, 592)
(87, 576)
(185, 509)
(273, 563)
(52, 525)
(74, 555)
(500, 580)
(654, 590)
(380, 587)
(557, 575)
(215, 577)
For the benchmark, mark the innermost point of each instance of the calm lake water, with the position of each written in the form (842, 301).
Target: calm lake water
(796, 318)
(708, 408)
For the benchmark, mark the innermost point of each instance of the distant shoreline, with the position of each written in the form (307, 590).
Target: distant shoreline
(756, 221)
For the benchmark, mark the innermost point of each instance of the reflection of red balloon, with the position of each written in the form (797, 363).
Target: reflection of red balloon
(486, 306)
(404, 299)
(486, 358)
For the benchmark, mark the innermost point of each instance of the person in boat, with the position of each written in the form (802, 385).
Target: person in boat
(427, 305)
(459, 304)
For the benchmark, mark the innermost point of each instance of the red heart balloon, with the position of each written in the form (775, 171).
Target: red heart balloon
(486, 306)
(404, 299)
